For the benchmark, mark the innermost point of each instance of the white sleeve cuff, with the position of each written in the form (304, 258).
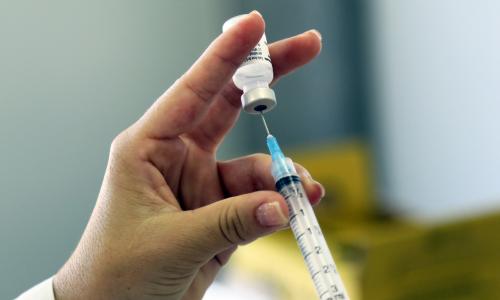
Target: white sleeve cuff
(41, 291)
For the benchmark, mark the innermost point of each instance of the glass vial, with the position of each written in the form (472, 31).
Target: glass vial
(254, 76)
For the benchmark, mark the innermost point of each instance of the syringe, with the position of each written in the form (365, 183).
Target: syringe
(304, 225)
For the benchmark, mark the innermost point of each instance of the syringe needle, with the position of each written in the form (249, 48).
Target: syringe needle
(265, 124)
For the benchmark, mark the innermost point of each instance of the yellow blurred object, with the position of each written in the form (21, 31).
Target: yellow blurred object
(277, 260)
(390, 260)
(345, 172)
(402, 261)
(379, 258)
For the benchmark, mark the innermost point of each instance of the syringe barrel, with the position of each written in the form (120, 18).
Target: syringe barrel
(305, 226)
(311, 241)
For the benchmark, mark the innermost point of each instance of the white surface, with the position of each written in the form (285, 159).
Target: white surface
(241, 290)
(437, 84)
(42, 291)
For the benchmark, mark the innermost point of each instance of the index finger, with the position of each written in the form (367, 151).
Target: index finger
(184, 104)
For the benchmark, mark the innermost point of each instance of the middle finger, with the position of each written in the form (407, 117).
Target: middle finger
(253, 173)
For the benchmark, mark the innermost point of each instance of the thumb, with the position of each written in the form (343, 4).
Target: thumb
(238, 220)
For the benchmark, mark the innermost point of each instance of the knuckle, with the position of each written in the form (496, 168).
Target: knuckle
(259, 160)
(303, 172)
(260, 157)
(118, 141)
(300, 168)
(232, 227)
(122, 147)
(202, 93)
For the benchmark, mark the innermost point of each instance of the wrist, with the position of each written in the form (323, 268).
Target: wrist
(74, 281)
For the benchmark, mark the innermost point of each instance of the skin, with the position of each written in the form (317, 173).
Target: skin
(169, 215)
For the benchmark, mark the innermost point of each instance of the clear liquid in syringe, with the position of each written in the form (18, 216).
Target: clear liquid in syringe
(311, 241)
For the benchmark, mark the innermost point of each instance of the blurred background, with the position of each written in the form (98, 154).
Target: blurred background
(398, 117)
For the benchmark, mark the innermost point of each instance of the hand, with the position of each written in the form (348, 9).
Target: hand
(159, 229)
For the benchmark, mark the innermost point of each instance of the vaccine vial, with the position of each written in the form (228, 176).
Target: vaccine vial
(254, 76)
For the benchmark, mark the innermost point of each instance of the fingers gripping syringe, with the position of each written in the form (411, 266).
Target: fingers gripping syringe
(305, 226)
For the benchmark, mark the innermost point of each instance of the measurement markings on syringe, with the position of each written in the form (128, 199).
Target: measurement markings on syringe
(311, 242)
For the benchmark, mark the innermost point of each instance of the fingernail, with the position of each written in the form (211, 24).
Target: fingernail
(271, 214)
(317, 33)
(256, 12)
(323, 192)
(306, 176)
